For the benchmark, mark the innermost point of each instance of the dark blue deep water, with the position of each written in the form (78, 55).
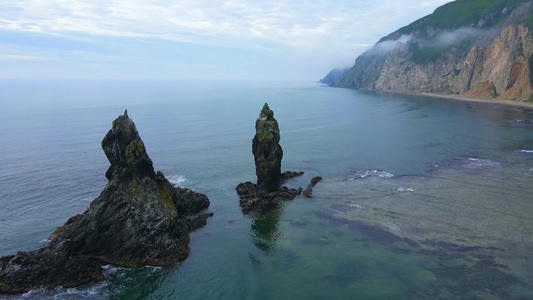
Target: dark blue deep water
(199, 135)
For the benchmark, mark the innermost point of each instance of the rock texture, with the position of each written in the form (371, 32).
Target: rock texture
(139, 219)
(481, 51)
(255, 199)
(505, 65)
(267, 151)
(267, 193)
(309, 190)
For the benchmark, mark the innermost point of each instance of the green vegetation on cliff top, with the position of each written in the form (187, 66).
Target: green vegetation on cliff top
(528, 21)
(454, 27)
(481, 14)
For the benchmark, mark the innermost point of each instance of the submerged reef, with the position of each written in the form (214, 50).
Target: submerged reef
(139, 219)
(267, 193)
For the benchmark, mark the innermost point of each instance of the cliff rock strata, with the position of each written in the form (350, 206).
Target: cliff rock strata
(505, 65)
(139, 219)
(463, 49)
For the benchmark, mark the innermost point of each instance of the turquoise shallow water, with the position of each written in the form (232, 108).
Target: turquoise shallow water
(199, 134)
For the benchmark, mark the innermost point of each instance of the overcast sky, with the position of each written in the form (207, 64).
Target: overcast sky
(164, 39)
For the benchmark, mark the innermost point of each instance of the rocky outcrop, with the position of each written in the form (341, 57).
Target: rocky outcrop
(290, 174)
(255, 199)
(267, 151)
(266, 194)
(139, 219)
(481, 52)
(334, 76)
(309, 190)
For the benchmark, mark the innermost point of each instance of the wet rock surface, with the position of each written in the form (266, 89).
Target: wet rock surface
(267, 151)
(139, 219)
(253, 198)
(309, 190)
(267, 194)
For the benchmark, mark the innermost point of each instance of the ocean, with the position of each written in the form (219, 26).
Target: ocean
(422, 197)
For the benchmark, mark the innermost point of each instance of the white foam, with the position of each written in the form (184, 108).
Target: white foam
(106, 267)
(364, 174)
(86, 291)
(177, 180)
(402, 189)
(475, 163)
(110, 269)
(393, 227)
(44, 242)
(526, 151)
(384, 174)
(91, 291)
(33, 293)
(353, 204)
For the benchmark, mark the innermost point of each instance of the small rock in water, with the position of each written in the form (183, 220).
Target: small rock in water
(309, 191)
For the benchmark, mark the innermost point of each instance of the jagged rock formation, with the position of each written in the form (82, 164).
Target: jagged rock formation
(473, 48)
(267, 151)
(139, 219)
(266, 194)
(503, 69)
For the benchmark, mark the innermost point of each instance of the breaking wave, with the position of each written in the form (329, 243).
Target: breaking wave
(475, 163)
(526, 151)
(93, 291)
(371, 173)
(177, 180)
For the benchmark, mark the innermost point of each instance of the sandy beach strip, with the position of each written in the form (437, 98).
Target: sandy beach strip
(507, 103)
(455, 97)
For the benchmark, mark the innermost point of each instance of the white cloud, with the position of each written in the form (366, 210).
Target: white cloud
(293, 23)
(21, 57)
(239, 38)
(388, 46)
(433, 3)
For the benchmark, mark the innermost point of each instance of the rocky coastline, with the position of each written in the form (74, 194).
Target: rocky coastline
(484, 54)
(139, 219)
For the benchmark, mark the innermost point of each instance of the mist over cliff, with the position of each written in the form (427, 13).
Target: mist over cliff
(473, 48)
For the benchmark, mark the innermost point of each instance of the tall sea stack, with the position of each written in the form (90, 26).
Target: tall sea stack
(139, 219)
(267, 193)
(267, 151)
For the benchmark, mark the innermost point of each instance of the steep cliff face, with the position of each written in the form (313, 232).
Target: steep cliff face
(472, 48)
(505, 66)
